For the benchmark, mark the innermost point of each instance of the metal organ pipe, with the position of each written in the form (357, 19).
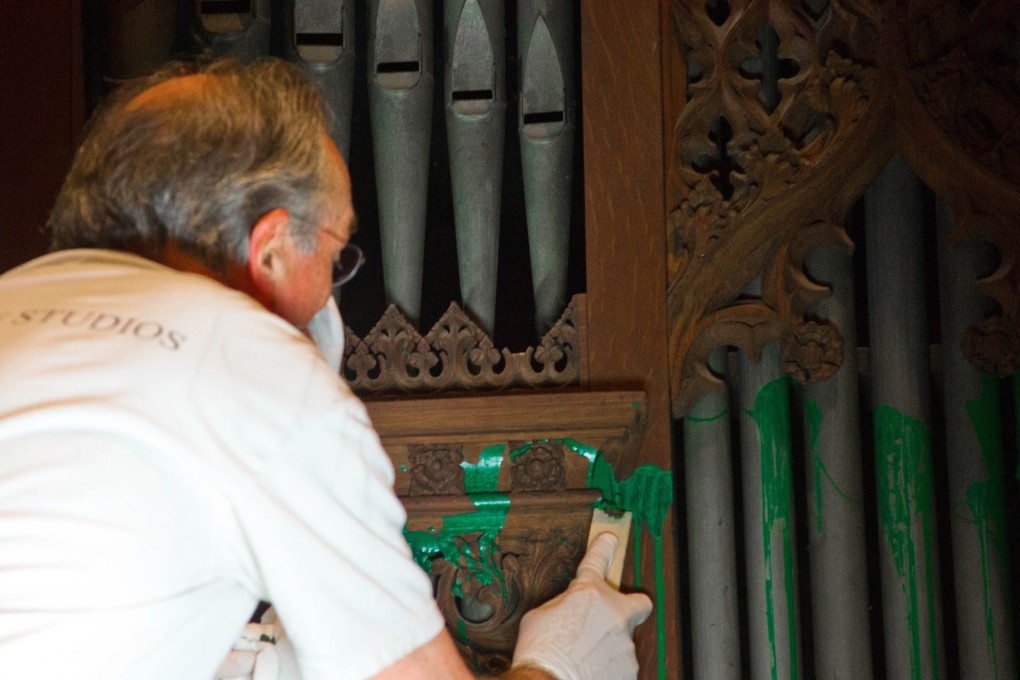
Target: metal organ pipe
(320, 35)
(976, 468)
(475, 101)
(234, 28)
(711, 535)
(835, 510)
(769, 531)
(899, 379)
(400, 86)
(546, 123)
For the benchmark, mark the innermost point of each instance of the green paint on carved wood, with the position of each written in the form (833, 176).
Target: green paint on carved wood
(905, 505)
(483, 476)
(479, 565)
(647, 494)
(986, 498)
(771, 414)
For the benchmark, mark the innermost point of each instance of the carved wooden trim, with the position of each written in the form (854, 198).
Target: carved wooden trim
(611, 421)
(484, 585)
(496, 491)
(758, 177)
(457, 355)
(955, 67)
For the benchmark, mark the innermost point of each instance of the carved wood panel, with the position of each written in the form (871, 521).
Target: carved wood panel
(782, 112)
(499, 492)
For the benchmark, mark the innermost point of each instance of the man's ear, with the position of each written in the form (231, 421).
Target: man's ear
(269, 250)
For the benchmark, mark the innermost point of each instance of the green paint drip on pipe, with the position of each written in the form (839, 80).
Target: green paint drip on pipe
(814, 416)
(708, 419)
(905, 497)
(483, 476)
(772, 416)
(986, 497)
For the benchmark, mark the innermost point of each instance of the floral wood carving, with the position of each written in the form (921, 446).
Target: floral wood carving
(457, 355)
(960, 130)
(773, 95)
(535, 567)
(993, 346)
(485, 582)
(812, 351)
(540, 468)
(436, 470)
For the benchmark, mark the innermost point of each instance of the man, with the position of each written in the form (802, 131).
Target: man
(173, 447)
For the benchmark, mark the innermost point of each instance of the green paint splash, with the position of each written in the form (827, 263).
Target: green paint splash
(647, 494)
(483, 476)
(814, 416)
(905, 497)
(449, 542)
(771, 414)
(986, 498)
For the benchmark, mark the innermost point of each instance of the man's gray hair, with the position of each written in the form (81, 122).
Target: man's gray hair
(199, 170)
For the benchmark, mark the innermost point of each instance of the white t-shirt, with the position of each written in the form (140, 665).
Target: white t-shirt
(170, 454)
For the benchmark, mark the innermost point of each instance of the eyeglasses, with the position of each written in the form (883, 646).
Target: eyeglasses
(347, 264)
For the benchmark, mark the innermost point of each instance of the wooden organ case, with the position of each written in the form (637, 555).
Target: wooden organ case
(723, 142)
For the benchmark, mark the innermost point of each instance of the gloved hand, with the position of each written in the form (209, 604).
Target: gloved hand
(586, 632)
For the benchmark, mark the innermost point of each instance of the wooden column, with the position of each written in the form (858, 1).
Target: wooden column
(622, 103)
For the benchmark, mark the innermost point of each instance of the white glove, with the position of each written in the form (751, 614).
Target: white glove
(585, 633)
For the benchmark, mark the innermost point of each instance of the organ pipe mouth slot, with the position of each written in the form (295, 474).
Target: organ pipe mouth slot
(226, 7)
(543, 124)
(319, 47)
(398, 75)
(397, 67)
(471, 102)
(225, 16)
(471, 95)
(540, 117)
(320, 39)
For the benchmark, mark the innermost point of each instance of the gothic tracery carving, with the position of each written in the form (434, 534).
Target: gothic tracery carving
(961, 132)
(774, 93)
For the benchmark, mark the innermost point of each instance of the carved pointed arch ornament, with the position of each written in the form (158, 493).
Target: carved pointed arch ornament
(781, 113)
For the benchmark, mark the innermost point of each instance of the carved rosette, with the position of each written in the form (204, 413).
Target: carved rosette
(457, 355)
(436, 470)
(993, 346)
(541, 468)
(777, 133)
(812, 352)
